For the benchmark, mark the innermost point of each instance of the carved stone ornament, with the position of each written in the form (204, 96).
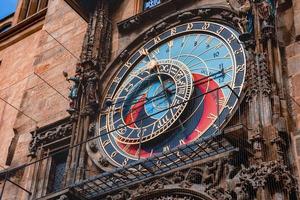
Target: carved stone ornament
(222, 179)
(63, 197)
(168, 18)
(48, 136)
(258, 76)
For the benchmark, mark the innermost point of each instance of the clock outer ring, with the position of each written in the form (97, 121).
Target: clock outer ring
(227, 34)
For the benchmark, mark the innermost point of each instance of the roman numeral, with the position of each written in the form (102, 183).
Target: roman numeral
(157, 40)
(222, 101)
(166, 148)
(212, 116)
(170, 43)
(143, 51)
(181, 142)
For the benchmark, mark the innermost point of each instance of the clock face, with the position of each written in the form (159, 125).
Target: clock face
(173, 90)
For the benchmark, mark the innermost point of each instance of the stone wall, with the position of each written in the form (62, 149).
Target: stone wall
(41, 54)
(293, 81)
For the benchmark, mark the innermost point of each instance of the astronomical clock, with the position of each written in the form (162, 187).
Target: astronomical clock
(177, 87)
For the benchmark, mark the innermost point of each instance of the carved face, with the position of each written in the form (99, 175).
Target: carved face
(175, 89)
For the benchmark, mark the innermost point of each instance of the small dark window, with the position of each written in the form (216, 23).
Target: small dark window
(56, 176)
(148, 4)
(5, 27)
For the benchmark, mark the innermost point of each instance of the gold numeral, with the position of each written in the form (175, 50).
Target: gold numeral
(173, 31)
(189, 27)
(166, 148)
(128, 64)
(113, 154)
(241, 67)
(181, 142)
(105, 143)
(222, 101)
(125, 161)
(238, 51)
(230, 39)
(212, 116)
(205, 26)
(157, 40)
(220, 30)
(170, 43)
(144, 51)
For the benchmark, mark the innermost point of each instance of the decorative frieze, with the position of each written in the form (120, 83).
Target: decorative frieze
(54, 134)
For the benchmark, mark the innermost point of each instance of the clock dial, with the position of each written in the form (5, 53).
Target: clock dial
(172, 91)
(150, 100)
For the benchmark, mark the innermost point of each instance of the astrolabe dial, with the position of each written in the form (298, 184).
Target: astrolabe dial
(176, 88)
(150, 101)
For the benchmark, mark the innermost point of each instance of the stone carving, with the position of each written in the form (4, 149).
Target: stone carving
(103, 161)
(258, 76)
(52, 135)
(204, 13)
(259, 175)
(219, 193)
(124, 55)
(185, 16)
(257, 142)
(132, 22)
(234, 182)
(124, 195)
(155, 30)
(243, 8)
(265, 79)
(63, 197)
(93, 146)
(195, 176)
(266, 12)
(91, 107)
(240, 6)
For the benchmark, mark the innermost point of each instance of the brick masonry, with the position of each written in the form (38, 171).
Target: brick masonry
(41, 54)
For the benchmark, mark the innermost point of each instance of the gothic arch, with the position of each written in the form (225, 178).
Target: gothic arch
(174, 194)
